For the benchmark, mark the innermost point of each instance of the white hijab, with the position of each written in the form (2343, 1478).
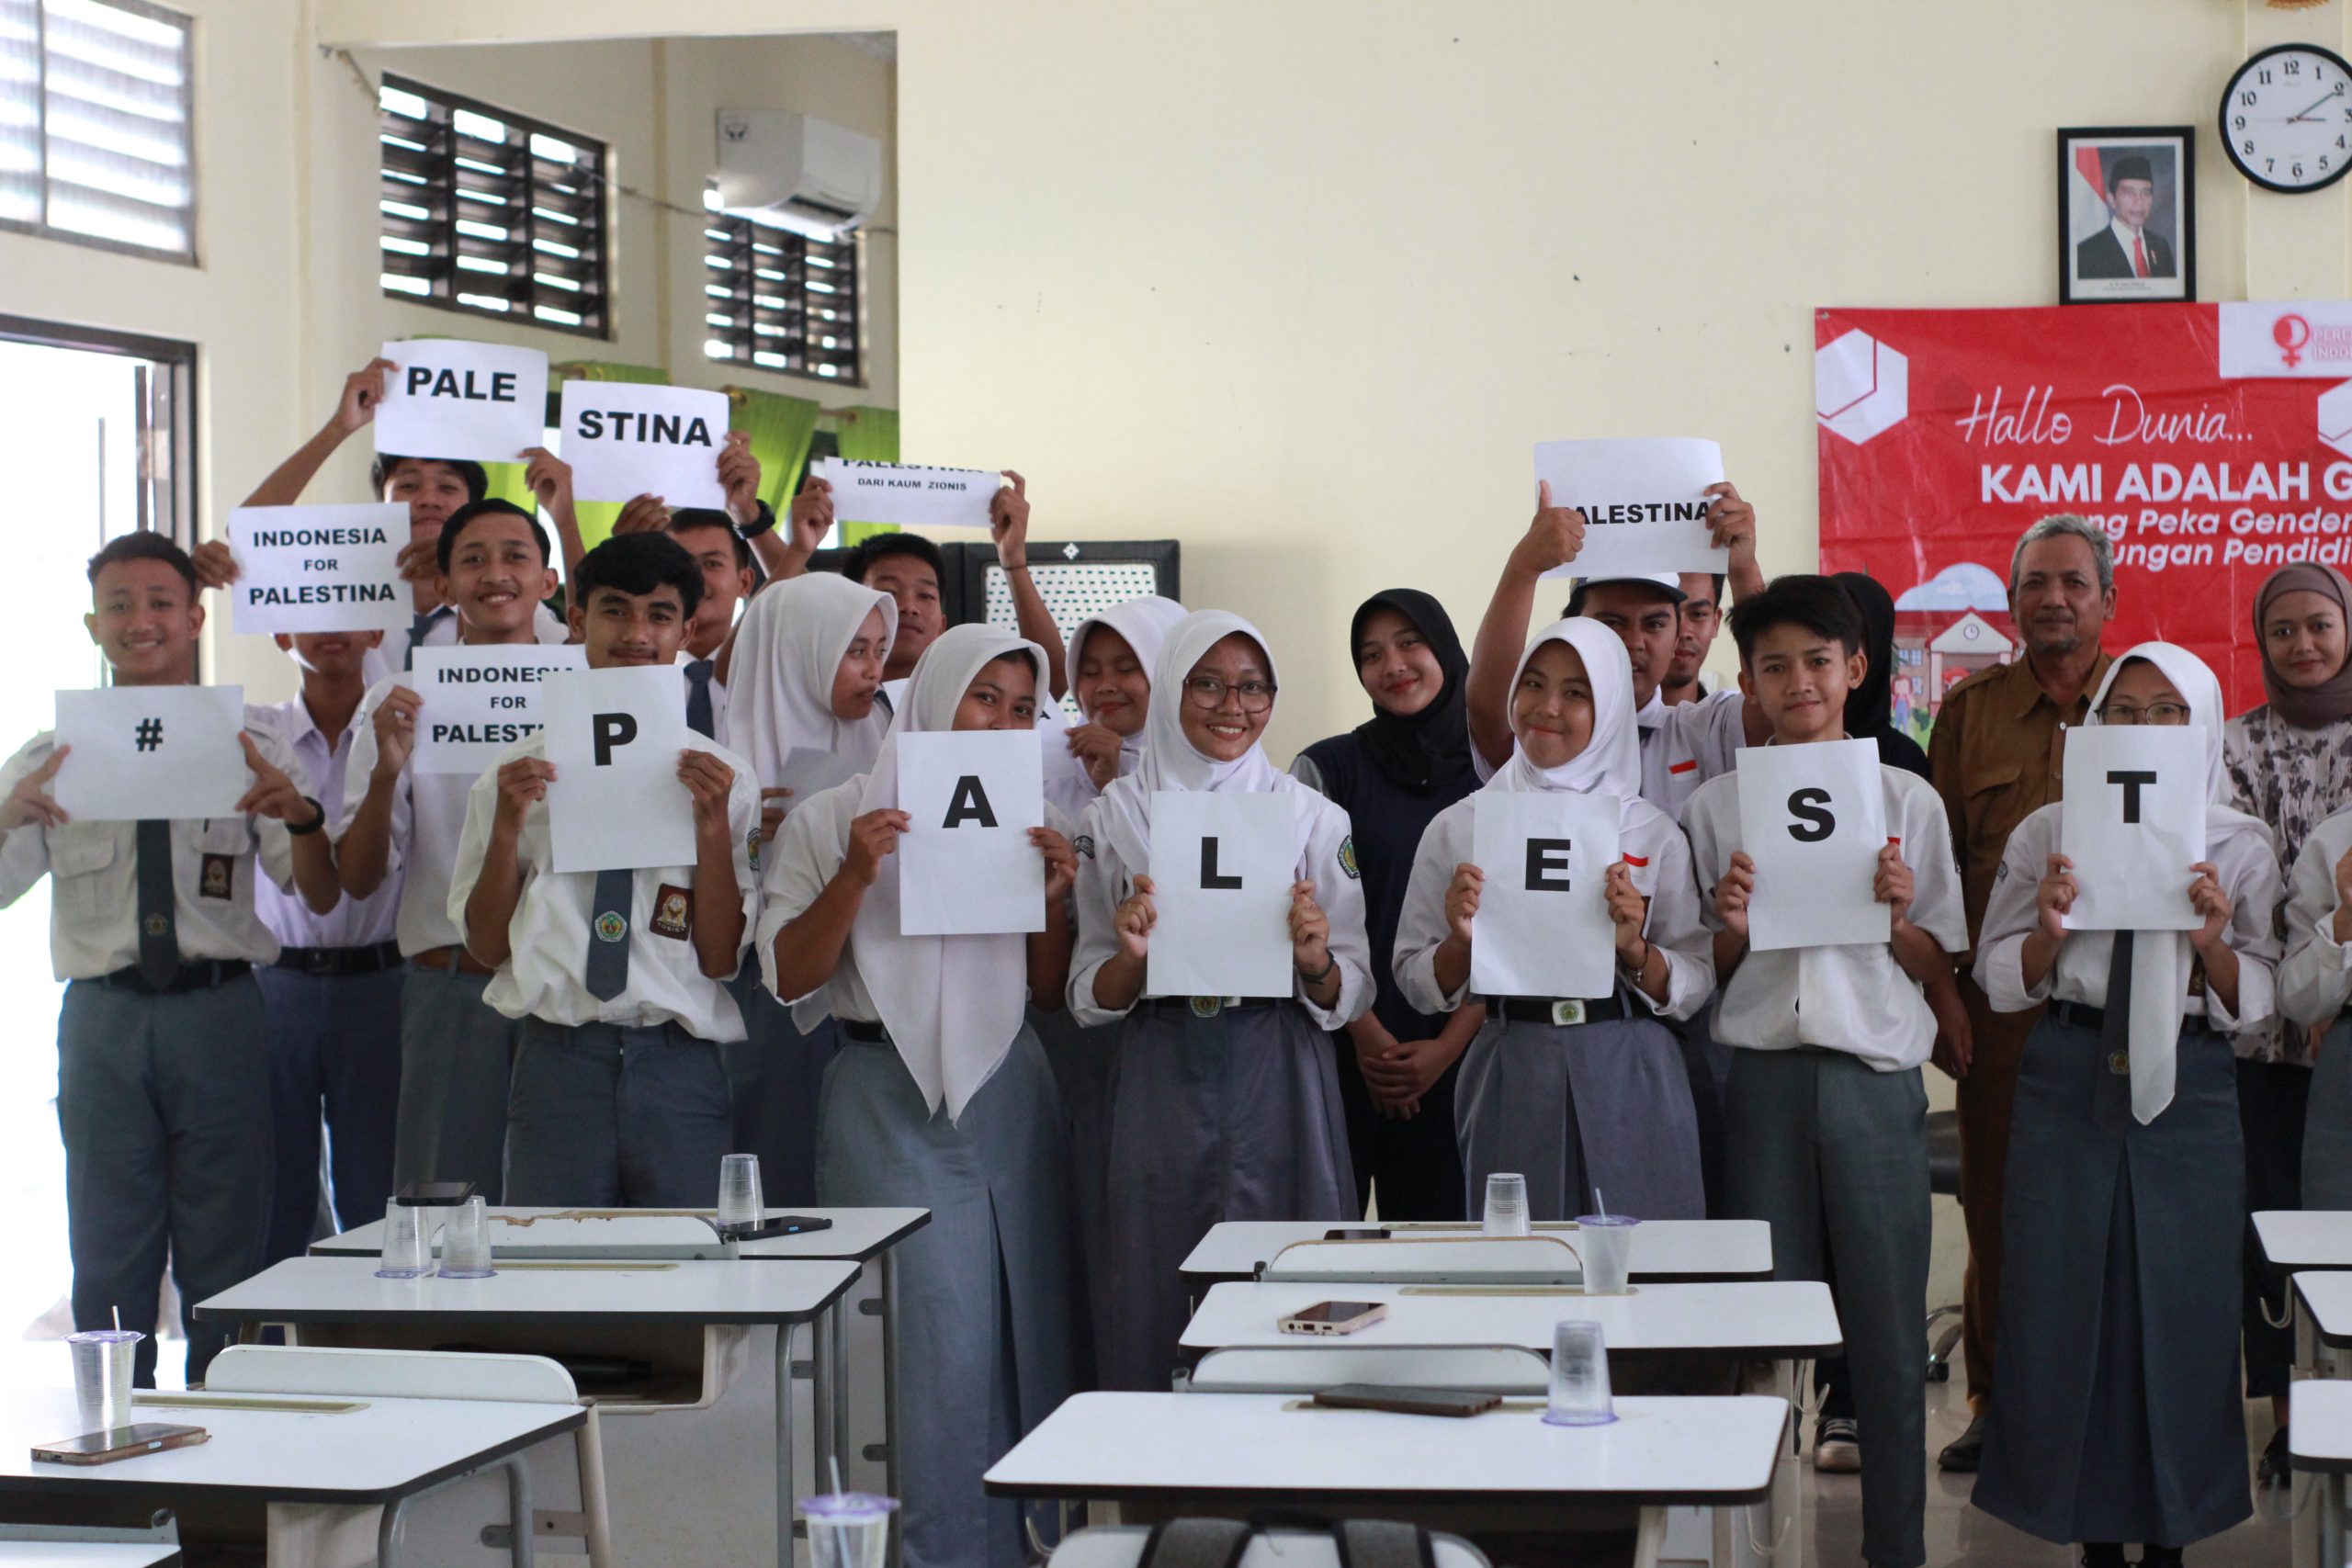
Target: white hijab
(1169, 760)
(1611, 762)
(2161, 960)
(952, 1004)
(1145, 623)
(780, 682)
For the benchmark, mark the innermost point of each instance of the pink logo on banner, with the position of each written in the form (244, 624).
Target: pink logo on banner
(2291, 333)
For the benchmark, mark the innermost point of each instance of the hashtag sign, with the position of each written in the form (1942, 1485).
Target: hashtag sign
(149, 734)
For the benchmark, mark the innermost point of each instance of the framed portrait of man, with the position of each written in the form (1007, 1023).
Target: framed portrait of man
(2127, 214)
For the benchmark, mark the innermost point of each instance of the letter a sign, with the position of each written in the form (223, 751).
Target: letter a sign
(614, 736)
(966, 865)
(1221, 870)
(2134, 823)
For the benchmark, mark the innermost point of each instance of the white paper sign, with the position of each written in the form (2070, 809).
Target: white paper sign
(2134, 823)
(1812, 818)
(967, 866)
(809, 770)
(449, 398)
(624, 440)
(908, 496)
(140, 751)
(1644, 504)
(479, 701)
(1221, 870)
(614, 736)
(1542, 926)
(319, 568)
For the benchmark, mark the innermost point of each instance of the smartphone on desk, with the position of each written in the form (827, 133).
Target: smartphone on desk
(1356, 1233)
(1334, 1317)
(783, 1224)
(434, 1194)
(1406, 1401)
(118, 1442)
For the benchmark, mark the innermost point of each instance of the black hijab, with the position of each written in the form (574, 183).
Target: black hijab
(1870, 707)
(1420, 750)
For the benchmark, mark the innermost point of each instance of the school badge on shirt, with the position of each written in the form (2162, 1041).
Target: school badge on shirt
(1348, 858)
(611, 926)
(218, 877)
(673, 913)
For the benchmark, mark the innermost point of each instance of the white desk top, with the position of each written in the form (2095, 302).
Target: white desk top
(387, 1449)
(1234, 1446)
(346, 1290)
(2326, 1295)
(2305, 1238)
(2319, 1435)
(855, 1234)
(85, 1555)
(1766, 1319)
(1663, 1249)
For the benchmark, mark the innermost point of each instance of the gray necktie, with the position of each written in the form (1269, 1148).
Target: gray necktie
(159, 943)
(418, 625)
(698, 715)
(608, 934)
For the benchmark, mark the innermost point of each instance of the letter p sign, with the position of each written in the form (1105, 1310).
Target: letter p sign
(608, 732)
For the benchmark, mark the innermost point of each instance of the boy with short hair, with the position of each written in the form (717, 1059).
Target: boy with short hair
(163, 1072)
(455, 1051)
(1825, 1135)
(617, 978)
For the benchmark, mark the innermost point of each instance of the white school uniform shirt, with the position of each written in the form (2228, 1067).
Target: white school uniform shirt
(1656, 856)
(428, 817)
(1853, 997)
(545, 974)
(2249, 875)
(548, 628)
(2315, 979)
(353, 922)
(1686, 745)
(94, 904)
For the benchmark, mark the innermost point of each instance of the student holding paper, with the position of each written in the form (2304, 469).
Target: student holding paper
(617, 978)
(1825, 1112)
(1226, 1108)
(1602, 1101)
(163, 1078)
(457, 1051)
(1392, 774)
(804, 708)
(2120, 1418)
(941, 1100)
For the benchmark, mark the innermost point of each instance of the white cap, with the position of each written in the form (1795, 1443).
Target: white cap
(1666, 582)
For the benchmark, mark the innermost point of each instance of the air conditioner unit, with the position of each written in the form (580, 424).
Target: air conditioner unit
(798, 172)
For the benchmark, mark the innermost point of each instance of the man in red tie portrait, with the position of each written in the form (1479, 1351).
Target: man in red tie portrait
(2127, 247)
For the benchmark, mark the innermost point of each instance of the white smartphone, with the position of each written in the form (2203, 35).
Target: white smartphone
(1334, 1317)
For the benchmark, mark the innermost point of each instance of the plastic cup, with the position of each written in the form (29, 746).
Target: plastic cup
(1605, 1242)
(848, 1529)
(1580, 1377)
(465, 1242)
(408, 1245)
(740, 1207)
(102, 1361)
(1506, 1204)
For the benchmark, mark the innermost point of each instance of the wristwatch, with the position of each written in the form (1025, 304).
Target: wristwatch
(760, 524)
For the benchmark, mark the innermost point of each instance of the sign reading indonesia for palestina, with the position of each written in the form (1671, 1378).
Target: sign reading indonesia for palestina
(319, 568)
(1644, 504)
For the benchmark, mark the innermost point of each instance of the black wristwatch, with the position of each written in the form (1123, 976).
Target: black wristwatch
(760, 524)
(316, 822)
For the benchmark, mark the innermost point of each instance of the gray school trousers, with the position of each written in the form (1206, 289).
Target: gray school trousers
(1829, 1150)
(603, 1116)
(163, 1104)
(457, 1054)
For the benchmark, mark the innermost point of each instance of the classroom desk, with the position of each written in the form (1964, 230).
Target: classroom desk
(620, 1298)
(1687, 1250)
(2319, 1443)
(386, 1453)
(2308, 1245)
(1154, 1454)
(87, 1554)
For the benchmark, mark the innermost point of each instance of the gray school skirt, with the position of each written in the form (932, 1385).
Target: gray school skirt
(1577, 1107)
(2120, 1418)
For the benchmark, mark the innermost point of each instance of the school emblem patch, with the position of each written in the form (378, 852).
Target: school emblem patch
(610, 927)
(157, 925)
(753, 845)
(1207, 1007)
(1348, 858)
(1084, 844)
(673, 913)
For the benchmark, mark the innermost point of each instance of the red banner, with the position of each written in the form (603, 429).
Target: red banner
(1945, 432)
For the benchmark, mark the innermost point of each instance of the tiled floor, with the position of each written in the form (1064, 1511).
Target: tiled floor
(1958, 1534)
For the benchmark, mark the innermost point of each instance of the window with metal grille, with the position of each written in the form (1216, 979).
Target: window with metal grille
(778, 301)
(491, 212)
(94, 142)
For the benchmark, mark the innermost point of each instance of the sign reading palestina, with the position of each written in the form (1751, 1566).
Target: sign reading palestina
(2213, 444)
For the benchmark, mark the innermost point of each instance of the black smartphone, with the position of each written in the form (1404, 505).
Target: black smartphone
(783, 1224)
(434, 1194)
(1408, 1401)
(1361, 1233)
(118, 1442)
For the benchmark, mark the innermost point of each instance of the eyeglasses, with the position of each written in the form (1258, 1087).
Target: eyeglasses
(1208, 691)
(2155, 713)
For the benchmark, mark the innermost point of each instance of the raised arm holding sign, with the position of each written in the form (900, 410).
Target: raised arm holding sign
(1644, 504)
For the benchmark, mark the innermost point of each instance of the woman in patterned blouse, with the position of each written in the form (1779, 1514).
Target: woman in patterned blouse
(2289, 763)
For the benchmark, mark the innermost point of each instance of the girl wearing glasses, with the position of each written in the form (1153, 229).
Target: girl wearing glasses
(1225, 1108)
(1602, 1101)
(2290, 762)
(2120, 1418)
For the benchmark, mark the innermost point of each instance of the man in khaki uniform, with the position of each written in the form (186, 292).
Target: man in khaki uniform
(1994, 758)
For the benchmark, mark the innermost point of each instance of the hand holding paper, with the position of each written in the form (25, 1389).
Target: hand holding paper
(2133, 824)
(1812, 821)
